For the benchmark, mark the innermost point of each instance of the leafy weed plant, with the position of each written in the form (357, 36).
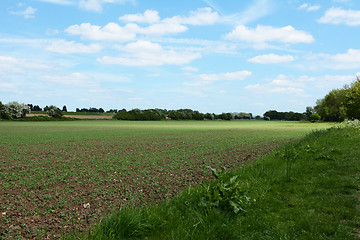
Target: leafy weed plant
(225, 193)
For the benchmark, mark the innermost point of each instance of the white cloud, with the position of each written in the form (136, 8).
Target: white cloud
(261, 35)
(29, 12)
(281, 84)
(114, 32)
(202, 16)
(313, 8)
(145, 53)
(75, 79)
(6, 87)
(309, 8)
(258, 9)
(341, 16)
(271, 59)
(91, 5)
(202, 45)
(351, 57)
(299, 86)
(163, 28)
(205, 79)
(149, 16)
(110, 32)
(66, 47)
(261, 89)
(304, 6)
(84, 80)
(348, 60)
(11, 64)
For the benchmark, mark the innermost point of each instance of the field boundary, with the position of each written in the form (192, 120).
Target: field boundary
(75, 116)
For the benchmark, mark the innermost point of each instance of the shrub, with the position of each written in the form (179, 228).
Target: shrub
(54, 112)
(315, 117)
(15, 110)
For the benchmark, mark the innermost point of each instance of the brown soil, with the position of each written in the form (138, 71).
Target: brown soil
(51, 189)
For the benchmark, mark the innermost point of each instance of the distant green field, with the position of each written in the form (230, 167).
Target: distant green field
(44, 132)
(63, 175)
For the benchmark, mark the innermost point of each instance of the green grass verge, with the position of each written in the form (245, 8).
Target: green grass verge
(307, 189)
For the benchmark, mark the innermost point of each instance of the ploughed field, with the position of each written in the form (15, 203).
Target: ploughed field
(60, 176)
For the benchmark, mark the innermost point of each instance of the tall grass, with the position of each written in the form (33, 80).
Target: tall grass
(305, 190)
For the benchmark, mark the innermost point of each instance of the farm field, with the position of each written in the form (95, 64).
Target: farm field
(59, 176)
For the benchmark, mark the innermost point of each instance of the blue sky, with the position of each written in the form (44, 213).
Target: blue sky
(207, 55)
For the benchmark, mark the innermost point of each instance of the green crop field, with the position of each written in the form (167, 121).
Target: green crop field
(59, 176)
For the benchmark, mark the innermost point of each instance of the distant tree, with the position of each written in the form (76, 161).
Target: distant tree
(139, 115)
(332, 107)
(226, 116)
(64, 109)
(314, 117)
(16, 110)
(196, 115)
(4, 113)
(257, 117)
(36, 108)
(77, 110)
(242, 115)
(289, 116)
(309, 111)
(112, 111)
(272, 114)
(101, 110)
(352, 100)
(209, 116)
(54, 112)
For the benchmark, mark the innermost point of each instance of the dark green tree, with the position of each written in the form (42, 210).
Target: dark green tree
(309, 111)
(352, 100)
(3, 112)
(332, 106)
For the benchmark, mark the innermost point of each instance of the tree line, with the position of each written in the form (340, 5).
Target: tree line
(15, 110)
(340, 104)
(180, 114)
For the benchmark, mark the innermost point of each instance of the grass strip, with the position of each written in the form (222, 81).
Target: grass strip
(307, 189)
